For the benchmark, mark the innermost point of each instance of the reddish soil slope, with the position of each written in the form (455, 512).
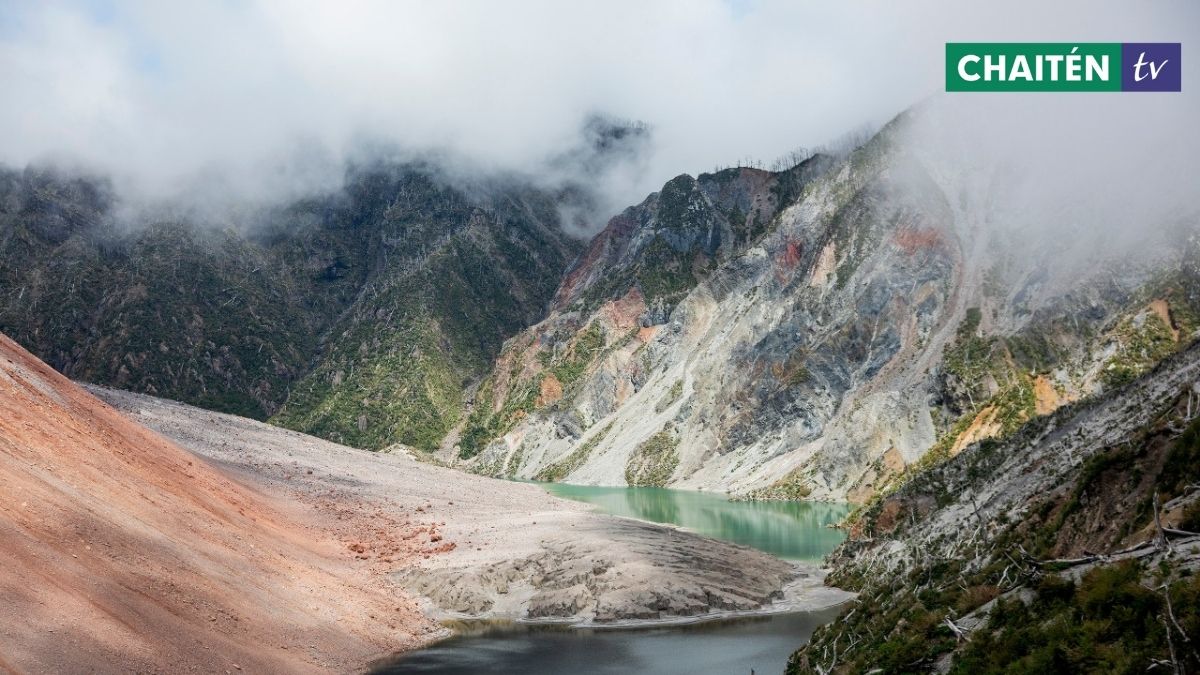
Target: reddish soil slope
(120, 552)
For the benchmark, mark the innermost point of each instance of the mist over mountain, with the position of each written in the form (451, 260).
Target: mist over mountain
(136, 91)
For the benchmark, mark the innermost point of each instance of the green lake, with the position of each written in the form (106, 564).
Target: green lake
(758, 644)
(791, 530)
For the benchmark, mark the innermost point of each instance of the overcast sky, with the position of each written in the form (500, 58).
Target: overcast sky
(158, 92)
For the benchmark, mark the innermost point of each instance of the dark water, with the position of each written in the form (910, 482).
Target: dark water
(791, 530)
(735, 646)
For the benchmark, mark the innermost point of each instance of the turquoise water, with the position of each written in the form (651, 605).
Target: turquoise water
(791, 530)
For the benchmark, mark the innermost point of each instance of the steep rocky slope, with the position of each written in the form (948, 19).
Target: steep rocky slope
(356, 315)
(817, 332)
(649, 258)
(1071, 546)
(122, 552)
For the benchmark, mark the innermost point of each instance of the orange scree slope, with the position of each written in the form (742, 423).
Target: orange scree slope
(120, 551)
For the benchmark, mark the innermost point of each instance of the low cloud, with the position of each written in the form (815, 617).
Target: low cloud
(270, 99)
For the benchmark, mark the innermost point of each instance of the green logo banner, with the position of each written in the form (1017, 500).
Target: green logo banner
(1033, 66)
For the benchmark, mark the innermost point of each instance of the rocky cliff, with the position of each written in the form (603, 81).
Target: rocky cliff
(1071, 546)
(819, 331)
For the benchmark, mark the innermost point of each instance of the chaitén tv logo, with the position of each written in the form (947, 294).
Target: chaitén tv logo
(1060, 66)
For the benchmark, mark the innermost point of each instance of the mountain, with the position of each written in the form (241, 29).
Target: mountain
(357, 315)
(1071, 546)
(821, 332)
(825, 331)
(450, 278)
(632, 275)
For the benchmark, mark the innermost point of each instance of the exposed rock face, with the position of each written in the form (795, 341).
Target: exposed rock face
(993, 484)
(676, 236)
(872, 313)
(1012, 537)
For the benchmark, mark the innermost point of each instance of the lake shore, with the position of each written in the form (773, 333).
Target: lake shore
(490, 549)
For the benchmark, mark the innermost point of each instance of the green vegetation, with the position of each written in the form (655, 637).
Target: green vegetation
(485, 424)
(664, 272)
(689, 210)
(1182, 466)
(563, 468)
(653, 460)
(972, 358)
(513, 463)
(1111, 622)
(791, 487)
(790, 185)
(661, 271)
(794, 372)
(587, 345)
(1142, 341)
(856, 231)
(969, 362)
(360, 317)
(670, 398)
(1015, 405)
(1011, 408)
(201, 316)
(402, 379)
(406, 390)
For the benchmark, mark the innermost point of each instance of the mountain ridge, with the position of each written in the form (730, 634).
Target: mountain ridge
(881, 315)
(240, 319)
(822, 331)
